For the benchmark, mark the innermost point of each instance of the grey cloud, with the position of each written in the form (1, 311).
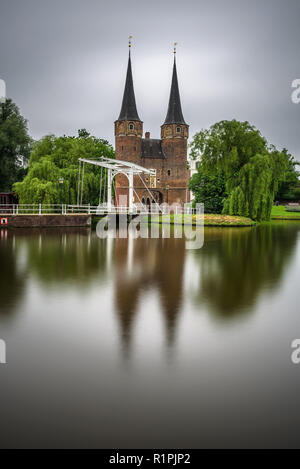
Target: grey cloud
(64, 62)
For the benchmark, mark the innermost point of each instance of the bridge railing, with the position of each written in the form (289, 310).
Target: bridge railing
(103, 209)
(30, 209)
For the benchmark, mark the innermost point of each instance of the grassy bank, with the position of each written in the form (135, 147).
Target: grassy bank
(211, 220)
(280, 213)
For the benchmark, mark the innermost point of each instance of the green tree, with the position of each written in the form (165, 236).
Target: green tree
(14, 142)
(208, 188)
(252, 169)
(288, 186)
(55, 158)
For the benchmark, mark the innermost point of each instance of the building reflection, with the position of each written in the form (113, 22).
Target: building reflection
(226, 276)
(142, 265)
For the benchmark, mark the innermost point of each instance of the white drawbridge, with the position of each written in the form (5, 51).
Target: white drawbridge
(112, 168)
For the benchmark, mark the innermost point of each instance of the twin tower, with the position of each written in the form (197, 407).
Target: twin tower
(167, 155)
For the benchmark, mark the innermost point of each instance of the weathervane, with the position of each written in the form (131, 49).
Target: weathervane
(175, 44)
(129, 41)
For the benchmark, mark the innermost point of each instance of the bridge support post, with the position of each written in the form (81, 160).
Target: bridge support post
(109, 180)
(130, 178)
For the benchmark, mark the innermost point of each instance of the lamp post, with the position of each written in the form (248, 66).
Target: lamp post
(61, 181)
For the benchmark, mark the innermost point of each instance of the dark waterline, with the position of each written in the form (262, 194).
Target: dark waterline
(142, 343)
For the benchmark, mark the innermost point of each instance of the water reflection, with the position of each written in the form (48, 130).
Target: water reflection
(59, 257)
(13, 273)
(236, 265)
(227, 274)
(70, 301)
(143, 265)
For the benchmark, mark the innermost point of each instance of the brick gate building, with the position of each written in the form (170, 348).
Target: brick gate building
(167, 155)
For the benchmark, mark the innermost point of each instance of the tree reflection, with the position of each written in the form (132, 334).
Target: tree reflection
(234, 266)
(12, 273)
(54, 256)
(63, 255)
(237, 264)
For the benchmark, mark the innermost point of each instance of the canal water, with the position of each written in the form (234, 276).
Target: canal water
(142, 343)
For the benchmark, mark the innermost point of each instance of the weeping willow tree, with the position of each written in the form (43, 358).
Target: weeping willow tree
(257, 186)
(54, 158)
(252, 169)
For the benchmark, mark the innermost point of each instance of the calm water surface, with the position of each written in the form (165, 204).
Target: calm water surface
(142, 343)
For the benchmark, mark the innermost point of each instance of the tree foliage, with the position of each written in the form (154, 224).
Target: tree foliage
(252, 169)
(289, 187)
(54, 158)
(14, 142)
(208, 188)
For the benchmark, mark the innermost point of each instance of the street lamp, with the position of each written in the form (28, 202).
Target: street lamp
(61, 181)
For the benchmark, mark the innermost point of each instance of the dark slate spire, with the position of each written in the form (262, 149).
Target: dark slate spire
(174, 114)
(128, 110)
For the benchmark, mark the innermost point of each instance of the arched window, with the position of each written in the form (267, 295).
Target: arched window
(178, 130)
(197, 164)
(131, 126)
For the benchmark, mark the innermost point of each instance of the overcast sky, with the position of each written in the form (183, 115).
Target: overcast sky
(64, 63)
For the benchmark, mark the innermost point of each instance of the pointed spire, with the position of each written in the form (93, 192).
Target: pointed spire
(174, 114)
(128, 110)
